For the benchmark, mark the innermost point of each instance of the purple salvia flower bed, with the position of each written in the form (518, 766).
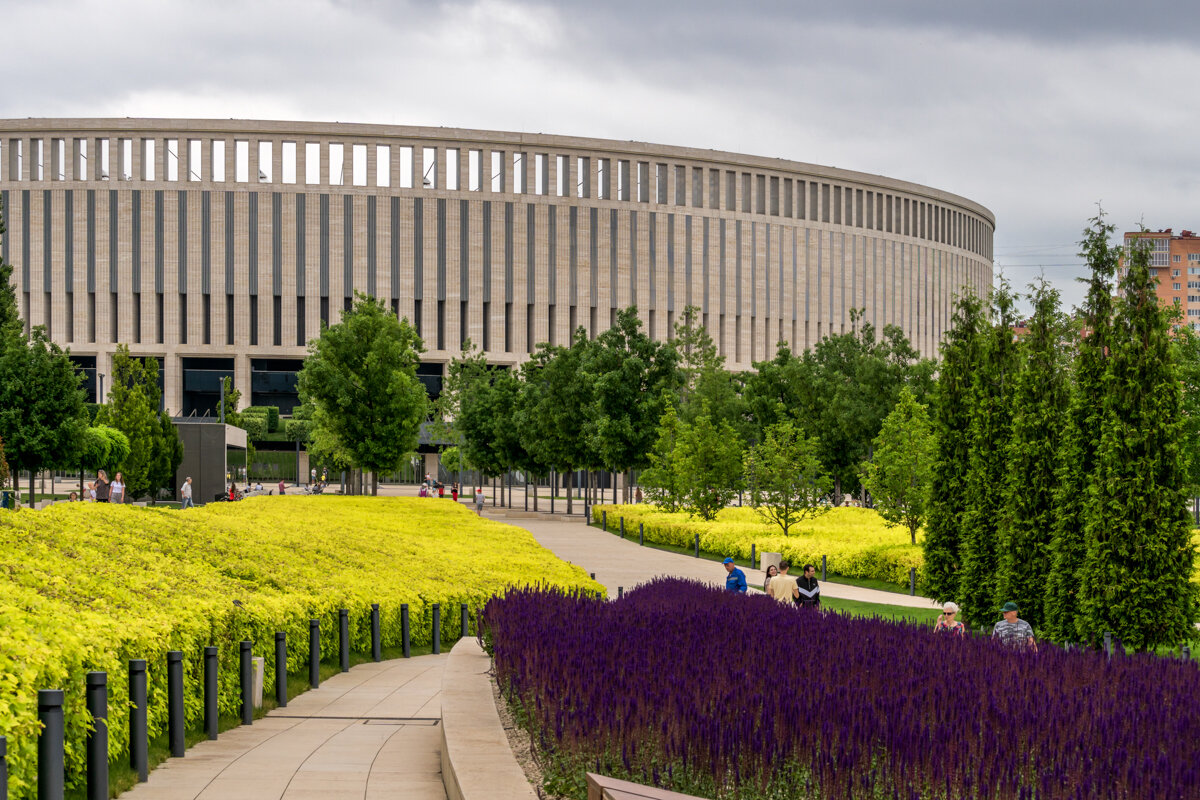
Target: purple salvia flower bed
(691, 688)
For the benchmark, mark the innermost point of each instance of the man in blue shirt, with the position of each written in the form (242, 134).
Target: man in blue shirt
(735, 579)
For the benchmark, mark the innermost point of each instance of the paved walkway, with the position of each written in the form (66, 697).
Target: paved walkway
(370, 734)
(624, 563)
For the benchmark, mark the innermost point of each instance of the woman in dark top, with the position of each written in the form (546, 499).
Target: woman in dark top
(101, 486)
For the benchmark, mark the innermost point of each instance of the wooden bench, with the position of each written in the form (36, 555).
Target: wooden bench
(601, 787)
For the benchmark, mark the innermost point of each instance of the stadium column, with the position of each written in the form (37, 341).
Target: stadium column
(241, 378)
(173, 383)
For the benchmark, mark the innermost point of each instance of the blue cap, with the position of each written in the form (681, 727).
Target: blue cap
(727, 561)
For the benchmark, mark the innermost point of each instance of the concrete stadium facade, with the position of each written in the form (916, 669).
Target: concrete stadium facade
(221, 247)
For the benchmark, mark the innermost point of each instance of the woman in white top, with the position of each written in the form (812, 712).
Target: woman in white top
(116, 490)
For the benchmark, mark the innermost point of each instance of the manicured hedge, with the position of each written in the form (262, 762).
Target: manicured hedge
(856, 540)
(90, 586)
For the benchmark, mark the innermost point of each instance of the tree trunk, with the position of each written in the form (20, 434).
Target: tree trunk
(570, 486)
(31, 496)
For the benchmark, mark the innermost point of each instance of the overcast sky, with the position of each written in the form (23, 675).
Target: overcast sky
(1033, 108)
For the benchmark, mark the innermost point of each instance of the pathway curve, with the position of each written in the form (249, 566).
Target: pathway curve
(372, 733)
(623, 562)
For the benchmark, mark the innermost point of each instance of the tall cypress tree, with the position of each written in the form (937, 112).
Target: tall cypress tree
(1077, 462)
(1039, 413)
(988, 432)
(951, 420)
(1136, 579)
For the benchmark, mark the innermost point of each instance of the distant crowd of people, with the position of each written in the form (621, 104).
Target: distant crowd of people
(432, 488)
(102, 490)
(805, 591)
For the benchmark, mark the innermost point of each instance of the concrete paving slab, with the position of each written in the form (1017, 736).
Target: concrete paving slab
(353, 737)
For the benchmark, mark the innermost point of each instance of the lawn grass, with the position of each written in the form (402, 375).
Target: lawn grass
(858, 608)
(122, 778)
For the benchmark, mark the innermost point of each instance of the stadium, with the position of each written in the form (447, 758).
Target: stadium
(221, 247)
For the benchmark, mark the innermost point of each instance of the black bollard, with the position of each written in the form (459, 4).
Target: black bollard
(314, 653)
(211, 714)
(175, 702)
(247, 682)
(620, 592)
(622, 527)
(437, 628)
(697, 545)
(376, 644)
(344, 639)
(465, 625)
(641, 534)
(753, 557)
(4, 768)
(604, 519)
(912, 580)
(404, 628)
(139, 758)
(824, 564)
(281, 680)
(97, 738)
(1108, 644)
(51, 771)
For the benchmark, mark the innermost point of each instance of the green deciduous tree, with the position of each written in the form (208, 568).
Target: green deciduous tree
(553, 410)
(899, 475)
(708, 458)
(662, 479)
(229, 403)
(42, 415)
(1081, 437)
(360, 378)
(787, 482)
(695, 466)
(1136, 579)
(632, 377)
(951, 424)
(993, 385)
(1040, 402)
(694, 350)
(155, 450)
(103, 447)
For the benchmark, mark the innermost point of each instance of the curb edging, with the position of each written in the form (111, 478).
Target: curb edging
(477, 761)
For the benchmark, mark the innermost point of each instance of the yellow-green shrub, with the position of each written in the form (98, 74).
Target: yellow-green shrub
(856, 541)
(90, 586)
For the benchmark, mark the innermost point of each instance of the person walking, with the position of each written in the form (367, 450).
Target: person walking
(783, 586)
(479, 500)
(809, 590)
(947, 623)
(101, 486)
(441, 487)
(312, 475)
(282, 487)
(91, 491)
(454, 491)
(735, 579)
(116, 491)
(185, 492)
(1014, 631)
